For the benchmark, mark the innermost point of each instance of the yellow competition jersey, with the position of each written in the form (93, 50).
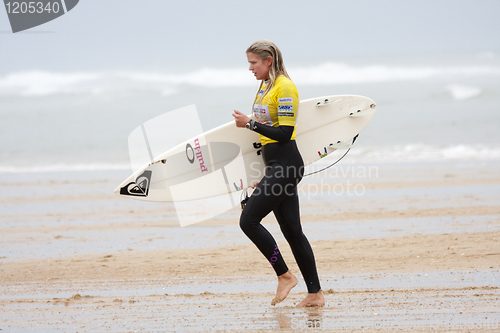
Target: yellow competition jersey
(279, 107)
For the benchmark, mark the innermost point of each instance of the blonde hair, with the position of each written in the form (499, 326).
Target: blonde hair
(264, 48)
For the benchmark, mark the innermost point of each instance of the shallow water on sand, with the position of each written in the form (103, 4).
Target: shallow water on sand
(46, 245)
(232, 285)
(48, 214)
(418, 301)
(58, 218)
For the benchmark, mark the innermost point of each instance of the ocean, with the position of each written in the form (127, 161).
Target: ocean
(434, 107)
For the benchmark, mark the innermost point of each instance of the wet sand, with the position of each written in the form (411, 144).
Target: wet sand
(417, 250)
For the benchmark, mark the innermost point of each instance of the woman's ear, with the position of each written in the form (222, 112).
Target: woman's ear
(269, 61)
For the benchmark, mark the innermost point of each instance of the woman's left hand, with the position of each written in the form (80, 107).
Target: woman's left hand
(240, 119)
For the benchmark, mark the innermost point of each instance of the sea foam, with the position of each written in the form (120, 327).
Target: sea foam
(462, 92)
(426, 153)
(65, 167)
(44, 83)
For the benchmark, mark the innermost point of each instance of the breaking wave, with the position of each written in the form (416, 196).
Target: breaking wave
(427, 153)
(44, 83)
(64, 167)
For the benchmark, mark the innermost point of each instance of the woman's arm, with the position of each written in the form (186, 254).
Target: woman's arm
(281, 133)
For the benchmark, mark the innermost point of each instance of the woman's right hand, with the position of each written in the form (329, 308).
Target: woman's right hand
(240, 119)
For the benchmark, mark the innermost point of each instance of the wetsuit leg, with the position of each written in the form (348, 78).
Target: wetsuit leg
(288, 216)
(261, 203)
(277, 192)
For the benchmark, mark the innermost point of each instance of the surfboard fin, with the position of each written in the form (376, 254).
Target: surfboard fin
(245, 199)
(360, 113)
(340, 145)
(327, 101)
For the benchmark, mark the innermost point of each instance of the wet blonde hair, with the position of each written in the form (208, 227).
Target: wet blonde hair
(264, 48)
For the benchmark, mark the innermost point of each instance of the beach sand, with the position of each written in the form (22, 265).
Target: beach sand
(416, 249)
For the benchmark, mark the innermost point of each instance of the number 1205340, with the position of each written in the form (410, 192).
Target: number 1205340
(32, 7)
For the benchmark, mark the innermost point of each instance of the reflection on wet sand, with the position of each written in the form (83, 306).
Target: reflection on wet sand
(304, 318)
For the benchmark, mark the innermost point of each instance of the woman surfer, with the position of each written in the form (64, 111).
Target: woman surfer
(275, 110)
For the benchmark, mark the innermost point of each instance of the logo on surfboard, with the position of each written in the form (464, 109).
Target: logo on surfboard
(198, 153)
(323, 155)
(239, 188)
(139, 188)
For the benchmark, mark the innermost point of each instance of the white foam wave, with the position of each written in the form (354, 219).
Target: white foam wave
(427, 153)
(338, 73)
(462, 92)
(207, 77)
(43, 83)
(61, 167)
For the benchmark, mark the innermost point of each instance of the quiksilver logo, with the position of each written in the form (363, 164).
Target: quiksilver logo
(25, 14)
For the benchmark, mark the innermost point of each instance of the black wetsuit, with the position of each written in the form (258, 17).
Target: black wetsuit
(277, 192)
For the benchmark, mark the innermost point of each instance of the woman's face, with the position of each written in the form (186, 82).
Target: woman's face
(259, 67)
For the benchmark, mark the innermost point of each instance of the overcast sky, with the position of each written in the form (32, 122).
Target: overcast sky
(113, 34)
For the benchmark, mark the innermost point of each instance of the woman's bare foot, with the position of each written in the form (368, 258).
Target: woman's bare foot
(285, 283)
(316, 299)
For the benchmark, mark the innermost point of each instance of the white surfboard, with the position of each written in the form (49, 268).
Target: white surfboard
(228, 159)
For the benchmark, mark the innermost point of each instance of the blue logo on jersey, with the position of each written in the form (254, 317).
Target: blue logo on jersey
(285, 108)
